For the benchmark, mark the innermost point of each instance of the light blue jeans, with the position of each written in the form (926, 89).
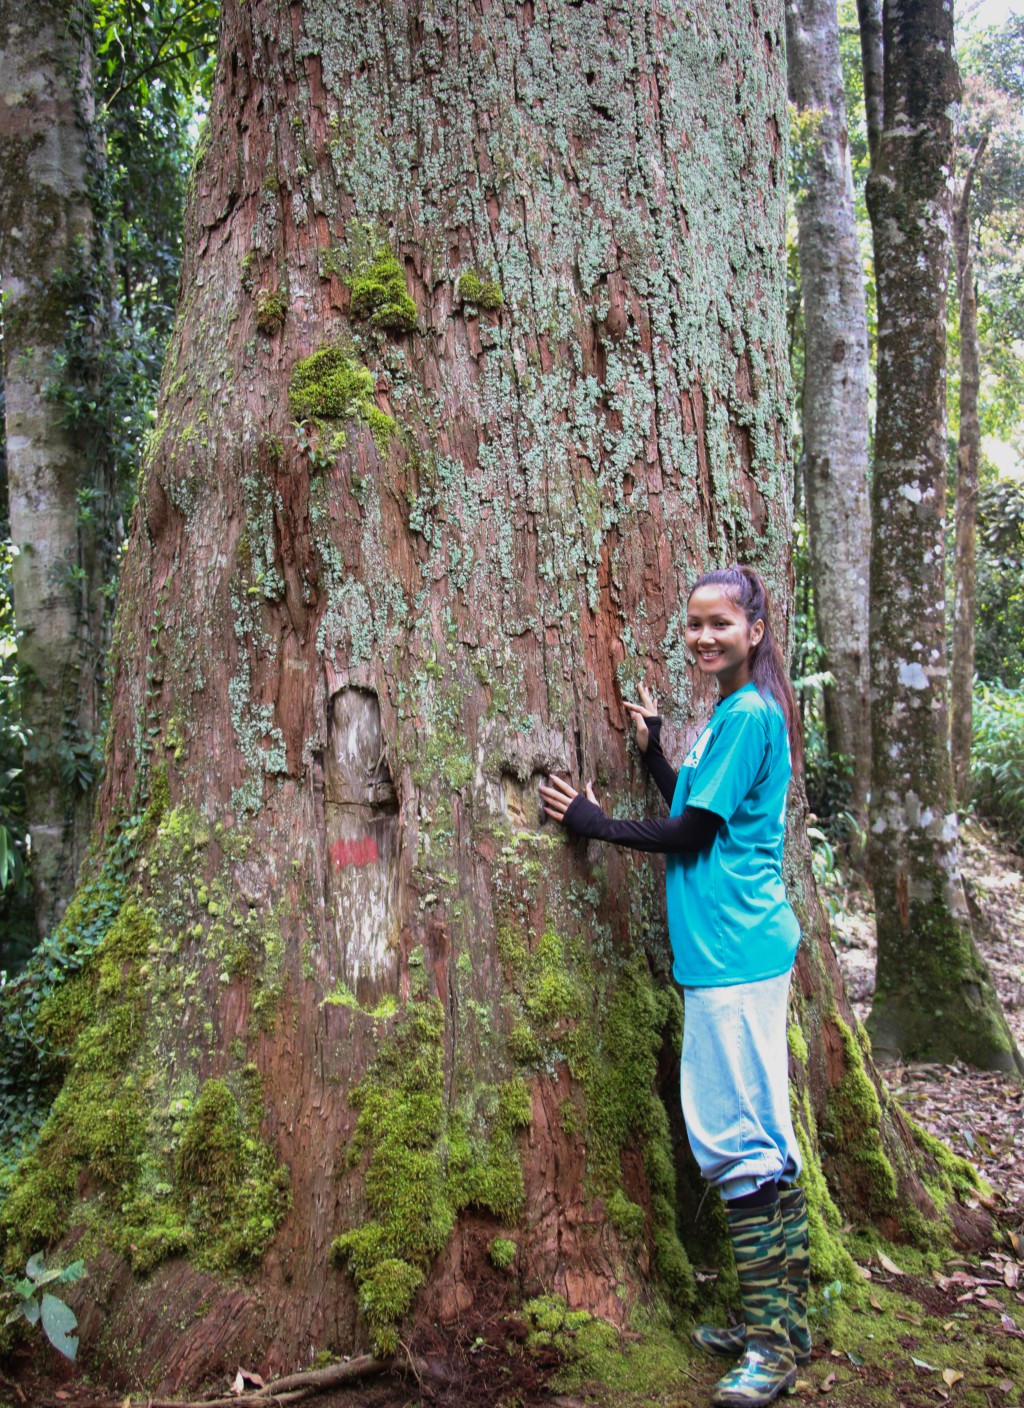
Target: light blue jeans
(735, 1085)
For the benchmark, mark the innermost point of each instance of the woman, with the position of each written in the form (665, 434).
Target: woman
(734, 941)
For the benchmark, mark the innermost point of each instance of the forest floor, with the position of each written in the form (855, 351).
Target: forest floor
(915, 1332)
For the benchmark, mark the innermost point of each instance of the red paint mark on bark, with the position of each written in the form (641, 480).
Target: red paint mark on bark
(361, 852)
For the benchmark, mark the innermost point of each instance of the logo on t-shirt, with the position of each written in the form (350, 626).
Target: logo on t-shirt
(695, 754)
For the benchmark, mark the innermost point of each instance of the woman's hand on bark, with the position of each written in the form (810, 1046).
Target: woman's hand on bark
(640, 713)
(559, 795)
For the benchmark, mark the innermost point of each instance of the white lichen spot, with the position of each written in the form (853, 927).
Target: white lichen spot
(911, 492)
(911, 674)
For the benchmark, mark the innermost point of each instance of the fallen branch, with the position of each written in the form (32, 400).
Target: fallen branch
(293, 1388)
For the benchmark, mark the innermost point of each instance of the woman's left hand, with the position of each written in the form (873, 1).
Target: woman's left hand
(559, 795)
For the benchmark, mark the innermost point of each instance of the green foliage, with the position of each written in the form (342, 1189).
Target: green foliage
(992, 61)
(997, 756)
(999, 624)
(36, 1305)
(379, 293)
(16, 917)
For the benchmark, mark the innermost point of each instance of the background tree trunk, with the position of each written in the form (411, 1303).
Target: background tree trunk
(46, 248)
(519, 276)
(835, 391)
(933, 997)
(869, 22)
(968, 454)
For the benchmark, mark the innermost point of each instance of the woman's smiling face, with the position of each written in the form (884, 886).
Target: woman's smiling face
(718, 635)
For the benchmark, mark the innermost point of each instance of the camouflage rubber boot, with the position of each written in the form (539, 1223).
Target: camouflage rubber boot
(767, 1367)
(731, 1340)
(793, 1203)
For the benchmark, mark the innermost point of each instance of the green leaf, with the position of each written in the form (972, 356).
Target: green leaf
(30, 1310)
(35, 1266)
(75, 1272)
(59, 1324)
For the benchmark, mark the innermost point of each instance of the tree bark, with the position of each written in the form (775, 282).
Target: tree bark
(835, 391)
(480, 358)
(968, 454)
(933, 995)
(47, 232)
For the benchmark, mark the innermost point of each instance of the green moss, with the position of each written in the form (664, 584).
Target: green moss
(797, 1043)
(649, 1365)
(386, 1294)
(379, 293)
(502, 1252)
(628, 1218)
(329, 263)
(557, 988)
(472, 289)
(485, 1170)
(207, 1185)
(424, 1164)
(228, 1184)
(830, 1260)
(853, 1124)
(270, 311)
(330, 386)
(401, 1123)
(952, 1175)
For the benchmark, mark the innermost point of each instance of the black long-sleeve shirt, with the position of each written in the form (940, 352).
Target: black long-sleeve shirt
(693, 831)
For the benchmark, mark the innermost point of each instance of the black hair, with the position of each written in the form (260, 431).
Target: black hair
(767, 666)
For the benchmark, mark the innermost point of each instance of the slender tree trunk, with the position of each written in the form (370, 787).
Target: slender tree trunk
(480, 358)
(46, 244)
(933, 995)
(968, 453)
(835, 392)
(869, 20)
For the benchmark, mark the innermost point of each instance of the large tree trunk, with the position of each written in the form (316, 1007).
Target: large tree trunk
(536, 260)
(47, 235)
(933, 996)
(835, 391)
(968, 454)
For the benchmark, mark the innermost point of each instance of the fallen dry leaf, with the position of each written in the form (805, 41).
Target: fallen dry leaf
(888, 1265)
(827, 1385)
(989, 1303)
(951, 1377)
(1011, 1275)
(245, 1379)
(910, 1319)
(803, 1386)
(1006, 1385)
(875, 1304)
(949, 1325)
(1008, 1323)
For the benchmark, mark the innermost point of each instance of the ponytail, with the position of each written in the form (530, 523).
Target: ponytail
(767, 666)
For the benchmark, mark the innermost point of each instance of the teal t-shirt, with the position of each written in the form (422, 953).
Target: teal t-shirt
(728, 916)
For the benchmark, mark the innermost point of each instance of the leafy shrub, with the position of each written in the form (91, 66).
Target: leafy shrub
(37, 1305)
(997, 757)
(999, 628)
